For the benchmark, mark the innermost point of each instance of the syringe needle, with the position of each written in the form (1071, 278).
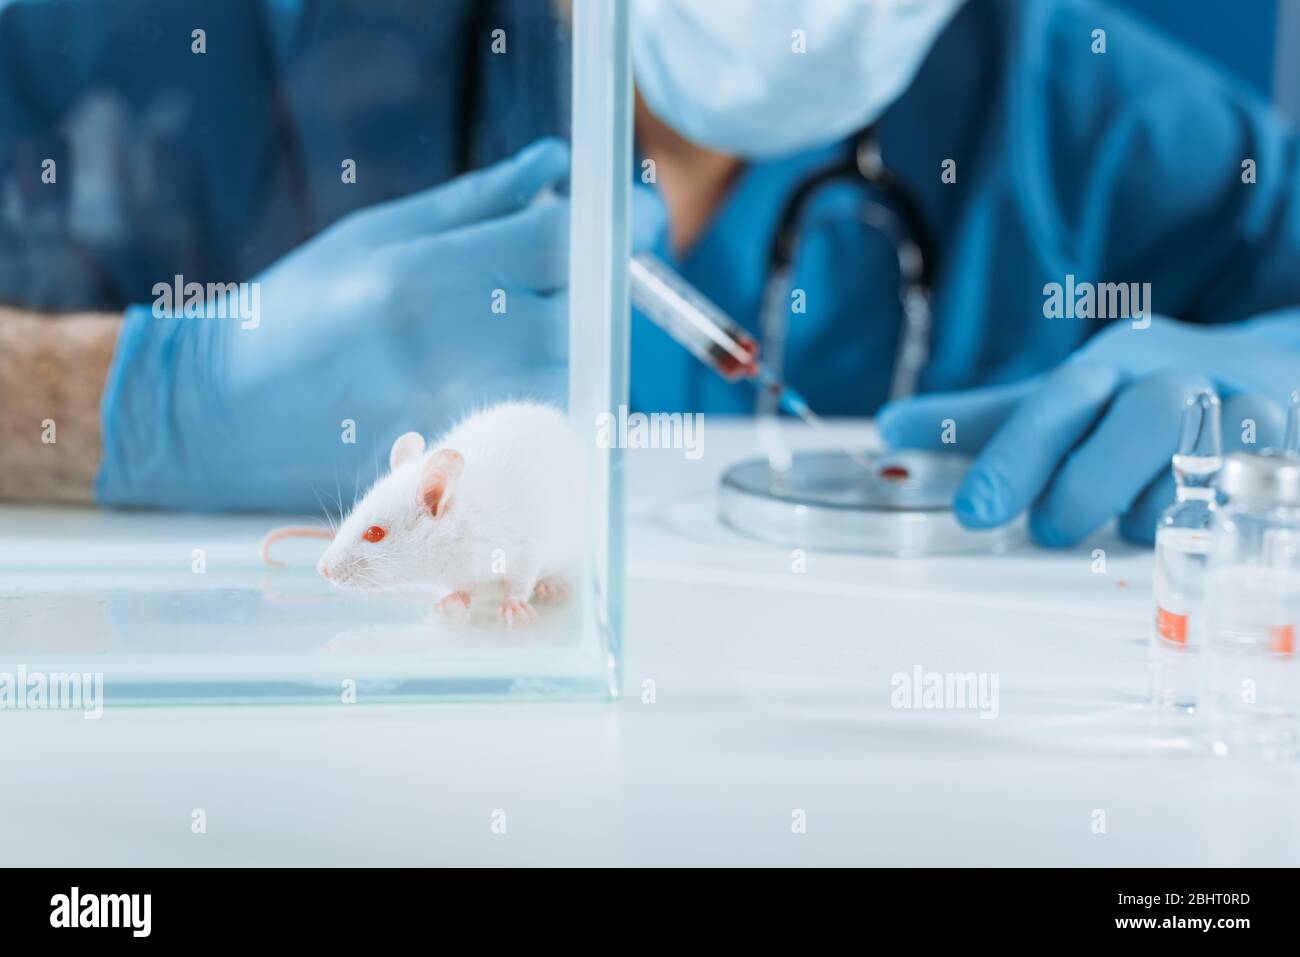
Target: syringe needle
(795, 404)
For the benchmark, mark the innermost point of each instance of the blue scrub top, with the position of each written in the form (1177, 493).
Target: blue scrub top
(1122, 166)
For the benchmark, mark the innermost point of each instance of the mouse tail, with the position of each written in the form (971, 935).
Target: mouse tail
(290, 531)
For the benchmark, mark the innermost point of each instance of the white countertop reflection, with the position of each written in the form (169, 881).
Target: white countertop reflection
(771, 706)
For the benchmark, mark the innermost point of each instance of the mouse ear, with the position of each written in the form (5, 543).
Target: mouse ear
(407, 447)
(438, 480)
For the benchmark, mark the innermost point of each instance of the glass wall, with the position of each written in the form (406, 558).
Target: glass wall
(367, 262)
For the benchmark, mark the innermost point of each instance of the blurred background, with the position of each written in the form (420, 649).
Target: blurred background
(1257, 39)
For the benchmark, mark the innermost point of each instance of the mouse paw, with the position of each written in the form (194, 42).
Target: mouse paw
(514, 610)
(455, 606)
(551, 590)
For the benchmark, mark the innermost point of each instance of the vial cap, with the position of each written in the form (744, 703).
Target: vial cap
(1266, 478)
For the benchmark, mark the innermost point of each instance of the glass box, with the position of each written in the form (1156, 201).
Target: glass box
(177, 604)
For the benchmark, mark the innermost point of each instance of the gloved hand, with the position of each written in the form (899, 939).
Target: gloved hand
(398, 317)
(1093, 438)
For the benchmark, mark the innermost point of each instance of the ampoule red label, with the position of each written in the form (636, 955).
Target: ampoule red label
(1171, 627)
(1283, 639)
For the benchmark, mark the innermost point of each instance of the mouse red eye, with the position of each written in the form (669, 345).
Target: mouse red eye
(373, 534)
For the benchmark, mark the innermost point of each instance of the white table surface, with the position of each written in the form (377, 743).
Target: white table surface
(772, 697)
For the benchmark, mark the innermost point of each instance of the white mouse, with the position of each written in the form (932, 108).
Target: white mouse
(499, 500)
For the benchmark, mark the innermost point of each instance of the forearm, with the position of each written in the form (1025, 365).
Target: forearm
(52, 374)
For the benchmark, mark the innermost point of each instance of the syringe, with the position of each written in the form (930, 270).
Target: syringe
(712, 336)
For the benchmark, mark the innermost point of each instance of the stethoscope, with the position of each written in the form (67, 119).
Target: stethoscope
(889, 209)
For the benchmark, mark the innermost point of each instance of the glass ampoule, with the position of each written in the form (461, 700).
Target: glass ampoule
(1182, 554)
(1291, 443)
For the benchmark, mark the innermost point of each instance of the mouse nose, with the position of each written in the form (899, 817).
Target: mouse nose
(323, 569)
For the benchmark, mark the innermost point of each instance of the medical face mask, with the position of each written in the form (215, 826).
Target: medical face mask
(764, 77)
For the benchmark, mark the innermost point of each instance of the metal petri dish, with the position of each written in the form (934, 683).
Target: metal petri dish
(900, 506)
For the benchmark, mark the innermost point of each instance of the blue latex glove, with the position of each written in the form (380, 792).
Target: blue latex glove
(1092, 439)
(384, 323)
